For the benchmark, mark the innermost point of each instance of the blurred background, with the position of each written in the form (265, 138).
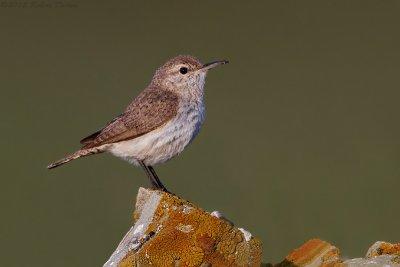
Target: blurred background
(301, 138)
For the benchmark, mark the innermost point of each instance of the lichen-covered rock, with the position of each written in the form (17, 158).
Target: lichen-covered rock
(383, 248)
(318, 253)
(170, 231)
(313, 253)
(379, 254)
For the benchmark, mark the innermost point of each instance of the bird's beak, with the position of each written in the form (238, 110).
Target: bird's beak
(213, 64)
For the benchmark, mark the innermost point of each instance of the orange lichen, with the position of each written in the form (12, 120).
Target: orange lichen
(387, 248)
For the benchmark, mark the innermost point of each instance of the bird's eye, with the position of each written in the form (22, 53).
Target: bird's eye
(183, 70)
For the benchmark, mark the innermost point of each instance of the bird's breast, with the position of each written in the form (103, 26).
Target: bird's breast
(181, 130)
(165, 142)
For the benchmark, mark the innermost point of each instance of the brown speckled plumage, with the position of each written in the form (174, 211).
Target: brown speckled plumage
(150, 110)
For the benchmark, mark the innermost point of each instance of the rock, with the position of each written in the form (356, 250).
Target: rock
(170, 231)
(379, 254)
(383, 248)
(380, 261)
(314, 252)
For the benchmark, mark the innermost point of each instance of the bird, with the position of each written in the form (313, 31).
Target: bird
(159, 123)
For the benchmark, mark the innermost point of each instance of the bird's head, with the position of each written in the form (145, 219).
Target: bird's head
(183, 74)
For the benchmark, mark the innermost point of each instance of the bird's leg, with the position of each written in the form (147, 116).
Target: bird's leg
(154, 180)
(149, 175)
(158, 181)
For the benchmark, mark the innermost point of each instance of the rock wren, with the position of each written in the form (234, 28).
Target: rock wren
(159, 123)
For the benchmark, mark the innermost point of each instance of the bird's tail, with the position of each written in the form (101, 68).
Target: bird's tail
(76, 155)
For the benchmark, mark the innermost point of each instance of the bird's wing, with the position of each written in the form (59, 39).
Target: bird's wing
(90, 138)
(150, 110)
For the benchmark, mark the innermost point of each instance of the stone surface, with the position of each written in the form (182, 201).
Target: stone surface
(383, 248)
(315, 253)
(379, 254)
(170, 231)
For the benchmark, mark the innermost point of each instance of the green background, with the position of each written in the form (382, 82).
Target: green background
(301, 138)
